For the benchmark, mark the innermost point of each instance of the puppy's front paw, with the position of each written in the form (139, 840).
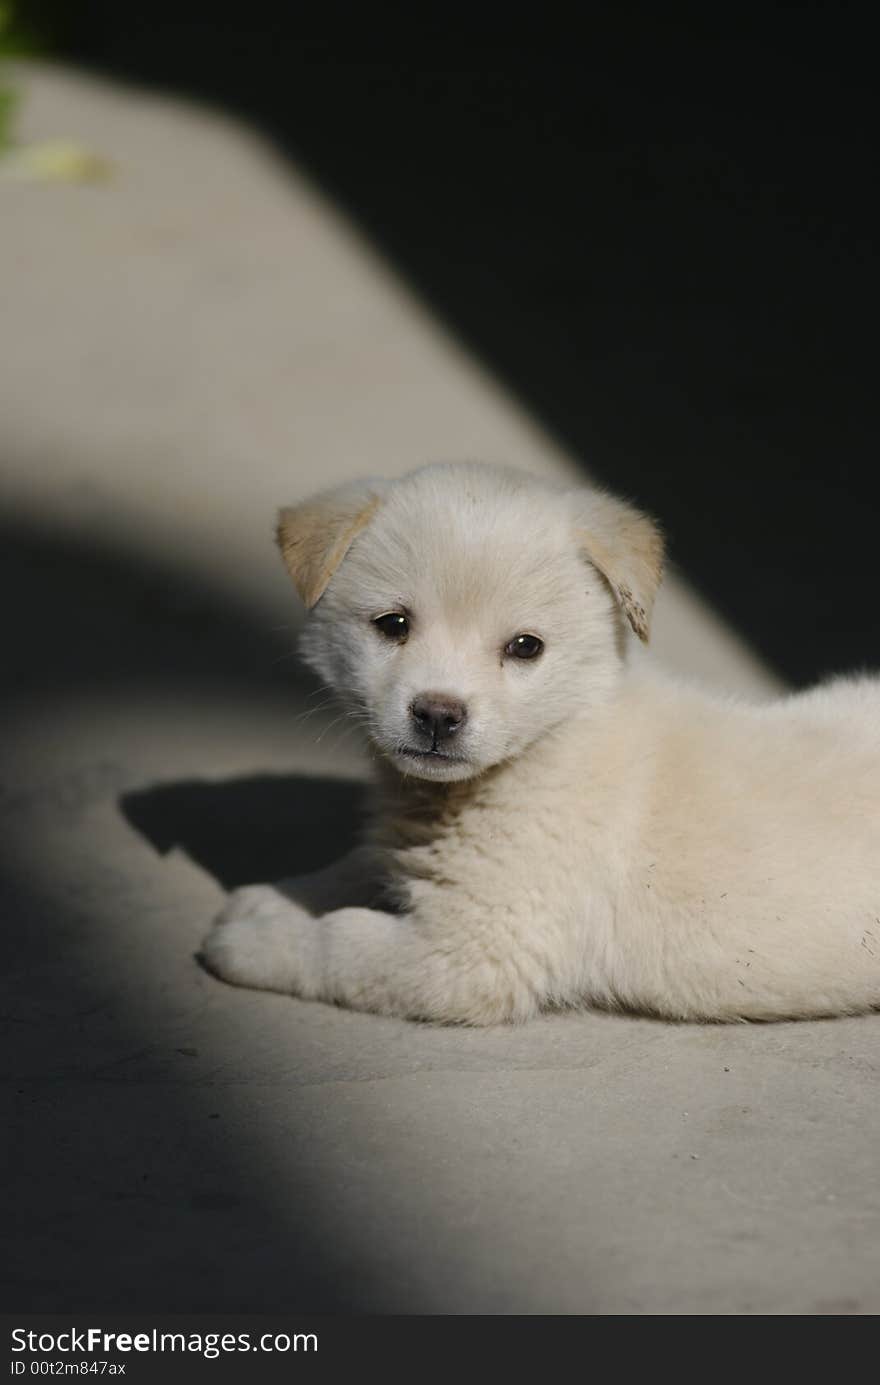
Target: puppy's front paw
(263, 940)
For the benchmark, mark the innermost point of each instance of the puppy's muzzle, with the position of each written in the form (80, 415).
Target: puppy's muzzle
(437, 718)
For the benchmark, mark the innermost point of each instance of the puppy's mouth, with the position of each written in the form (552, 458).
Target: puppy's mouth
(434, 753)
(432, 763)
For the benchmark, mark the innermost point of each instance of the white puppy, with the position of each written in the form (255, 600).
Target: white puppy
(551, 825)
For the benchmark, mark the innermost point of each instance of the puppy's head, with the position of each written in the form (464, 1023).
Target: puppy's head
(465, 610)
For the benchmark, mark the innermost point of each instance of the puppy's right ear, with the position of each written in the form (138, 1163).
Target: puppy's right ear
(627, 548)
(315, 536)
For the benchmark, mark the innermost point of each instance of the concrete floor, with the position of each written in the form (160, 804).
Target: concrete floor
(185, 347)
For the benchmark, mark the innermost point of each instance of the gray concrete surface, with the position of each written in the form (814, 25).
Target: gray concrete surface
(184, 347)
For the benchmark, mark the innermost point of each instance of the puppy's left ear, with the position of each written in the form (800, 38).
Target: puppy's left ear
(627, 548)
(315, 535)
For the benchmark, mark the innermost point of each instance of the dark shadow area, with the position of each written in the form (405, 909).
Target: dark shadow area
(80, 616)
(124, 1187)
(252, 830)
(125, 1183)
(657, 231)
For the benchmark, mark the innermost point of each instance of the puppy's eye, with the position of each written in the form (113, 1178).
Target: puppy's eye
(525, 647)
(393, 626)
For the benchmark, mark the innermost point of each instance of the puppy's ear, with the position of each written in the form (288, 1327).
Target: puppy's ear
(315, 536)
(627, 548)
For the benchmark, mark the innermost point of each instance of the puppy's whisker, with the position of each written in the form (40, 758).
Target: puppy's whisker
(302, 717)
(342, 716)
(324, 688)
(342, 737)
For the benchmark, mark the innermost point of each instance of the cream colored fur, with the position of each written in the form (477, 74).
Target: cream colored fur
(601, 834)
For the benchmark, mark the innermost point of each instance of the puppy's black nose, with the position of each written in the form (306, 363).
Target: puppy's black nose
(438, 717)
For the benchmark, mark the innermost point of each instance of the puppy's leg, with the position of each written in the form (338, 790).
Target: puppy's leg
(389, 964)
(420, 967)
(353, 879)
(258, 926)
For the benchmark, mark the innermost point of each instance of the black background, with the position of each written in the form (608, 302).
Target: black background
(655, 224)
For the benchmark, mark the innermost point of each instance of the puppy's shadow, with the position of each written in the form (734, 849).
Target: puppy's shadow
(251, 830)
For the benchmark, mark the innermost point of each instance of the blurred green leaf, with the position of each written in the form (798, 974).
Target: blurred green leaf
(25, 30)
(20, 35)
(7, 110)
(7, 95)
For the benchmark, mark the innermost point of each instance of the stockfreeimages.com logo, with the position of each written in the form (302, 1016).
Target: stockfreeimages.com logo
(93, 1340)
